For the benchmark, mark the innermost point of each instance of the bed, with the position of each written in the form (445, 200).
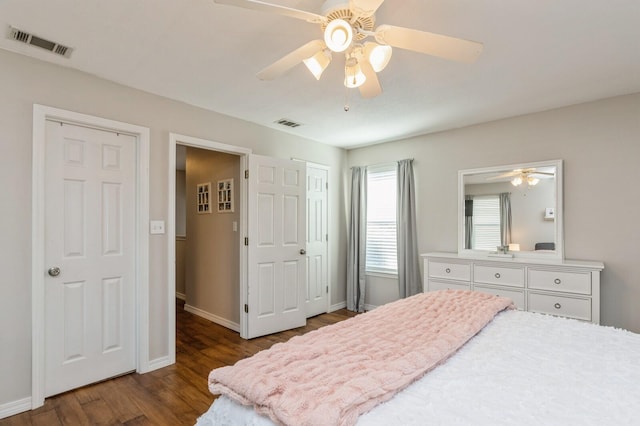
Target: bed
(521, 368)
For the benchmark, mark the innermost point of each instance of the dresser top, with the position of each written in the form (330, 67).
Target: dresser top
(519, 260)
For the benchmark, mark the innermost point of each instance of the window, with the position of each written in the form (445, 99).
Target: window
(486, 222)
(381, 219)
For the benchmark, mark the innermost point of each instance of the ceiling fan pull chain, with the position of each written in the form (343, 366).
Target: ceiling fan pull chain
(346, 99)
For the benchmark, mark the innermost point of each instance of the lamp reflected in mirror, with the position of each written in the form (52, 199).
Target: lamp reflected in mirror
(519, 180)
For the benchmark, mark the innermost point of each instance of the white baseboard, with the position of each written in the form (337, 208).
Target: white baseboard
(343, 305)
(181, 296)
(157, 363)
(15, 407)
(213, 318)
(368, 307)
(338, 306)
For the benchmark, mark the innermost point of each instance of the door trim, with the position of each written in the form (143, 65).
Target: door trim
(41, 114)
(243, 153)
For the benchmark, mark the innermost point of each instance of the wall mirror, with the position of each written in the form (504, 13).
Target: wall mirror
(511, 211)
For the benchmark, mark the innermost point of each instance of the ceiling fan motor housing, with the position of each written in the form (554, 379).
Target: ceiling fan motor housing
(339, 9)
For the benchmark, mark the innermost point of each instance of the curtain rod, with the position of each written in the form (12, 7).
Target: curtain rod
(388, 163)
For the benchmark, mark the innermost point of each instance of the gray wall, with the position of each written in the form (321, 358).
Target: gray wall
(181, 231)
(600, 145)
(25, 81)
(181, 211)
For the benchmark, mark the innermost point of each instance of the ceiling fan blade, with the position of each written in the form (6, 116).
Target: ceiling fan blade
(277, 9)
(371, 86)
(290, 60)
(364, 8)
(505, 175)
(455, 49)
(542, 173)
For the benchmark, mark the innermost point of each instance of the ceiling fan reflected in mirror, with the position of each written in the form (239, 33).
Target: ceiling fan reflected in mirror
(346, 24)
(529, 176)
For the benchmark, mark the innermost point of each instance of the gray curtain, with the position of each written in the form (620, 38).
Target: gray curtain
(356, 255)
(409, 279)
(468, 221)
(505, 218)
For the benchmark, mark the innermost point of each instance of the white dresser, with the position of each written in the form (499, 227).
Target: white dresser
(569, 288)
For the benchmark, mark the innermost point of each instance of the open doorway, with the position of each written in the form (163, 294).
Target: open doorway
(207, 234)
(240, 154)
(207, 228)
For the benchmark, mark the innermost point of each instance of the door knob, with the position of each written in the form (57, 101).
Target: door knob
(303, 251)
(54, 271)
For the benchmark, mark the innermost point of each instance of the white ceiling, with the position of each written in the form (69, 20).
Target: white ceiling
(538, 55)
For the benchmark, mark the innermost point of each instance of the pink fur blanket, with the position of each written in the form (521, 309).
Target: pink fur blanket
(332, 375)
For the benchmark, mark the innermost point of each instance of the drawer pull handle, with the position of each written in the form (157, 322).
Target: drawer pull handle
(448, 271)
(557, 306)
(497, 275)
(557, 281)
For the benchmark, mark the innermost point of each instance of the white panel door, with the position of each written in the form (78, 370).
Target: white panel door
(90, 253)
(276, 254)
(317, 245)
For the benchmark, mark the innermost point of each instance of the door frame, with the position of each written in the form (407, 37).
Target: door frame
(178, 139)
(41, 114)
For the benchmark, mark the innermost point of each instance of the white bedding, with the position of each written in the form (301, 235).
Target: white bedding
(523, 368)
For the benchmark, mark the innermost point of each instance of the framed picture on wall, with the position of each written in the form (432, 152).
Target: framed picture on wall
(225, 196)
(203, 198)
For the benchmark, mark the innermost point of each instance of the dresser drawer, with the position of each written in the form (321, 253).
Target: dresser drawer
(516, 295)
(440, 285)
(559, 305)
(500, 275)
(570, 282)
(450, 270)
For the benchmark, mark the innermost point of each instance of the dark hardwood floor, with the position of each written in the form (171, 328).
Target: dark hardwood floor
(174, 395)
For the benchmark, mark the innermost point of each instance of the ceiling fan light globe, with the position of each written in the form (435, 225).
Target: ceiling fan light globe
(378, 55)
(532, 181)
(338, 35)
(318, 63)
(353, 76)
(517, 181)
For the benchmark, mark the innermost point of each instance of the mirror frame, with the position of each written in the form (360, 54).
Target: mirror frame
(559, 212)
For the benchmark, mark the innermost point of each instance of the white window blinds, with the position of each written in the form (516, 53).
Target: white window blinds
(381, 219)
(486, 222)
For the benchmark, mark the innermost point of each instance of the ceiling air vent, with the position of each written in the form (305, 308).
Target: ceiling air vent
(287, 122)
(51, 46)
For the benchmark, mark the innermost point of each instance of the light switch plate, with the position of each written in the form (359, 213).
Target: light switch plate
(156, 227)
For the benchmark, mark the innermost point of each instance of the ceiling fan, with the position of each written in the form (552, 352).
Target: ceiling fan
(521, 176)
(345, 25)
